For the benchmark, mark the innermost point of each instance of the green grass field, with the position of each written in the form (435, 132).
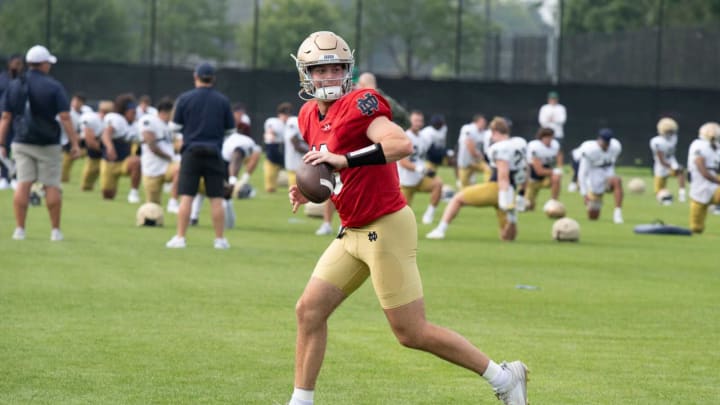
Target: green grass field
(110, 316)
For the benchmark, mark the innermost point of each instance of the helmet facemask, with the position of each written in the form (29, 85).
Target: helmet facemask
(324, 48)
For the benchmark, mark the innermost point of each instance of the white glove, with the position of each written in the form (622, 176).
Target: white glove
(232, 180)
(420, 168)
(558, 171)
(245, 178)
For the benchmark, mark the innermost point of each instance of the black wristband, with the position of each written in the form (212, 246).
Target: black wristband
(370, 155)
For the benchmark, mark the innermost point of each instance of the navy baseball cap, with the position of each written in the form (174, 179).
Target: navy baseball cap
(606, 134)
(205, 70)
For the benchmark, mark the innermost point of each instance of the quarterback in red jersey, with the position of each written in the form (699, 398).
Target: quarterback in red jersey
(352, 131)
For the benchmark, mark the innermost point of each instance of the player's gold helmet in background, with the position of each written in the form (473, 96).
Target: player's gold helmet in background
(323, 48)
(710, 131)
(667, 127)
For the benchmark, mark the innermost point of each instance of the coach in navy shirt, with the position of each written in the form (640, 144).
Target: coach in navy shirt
(204, 117)
(32, 103)
(15, 67)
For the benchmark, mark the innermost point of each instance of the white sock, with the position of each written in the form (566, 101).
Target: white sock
(302, 397)
(196, 205)
(173, 201)
(681, 192)
(327, 225)
(443, 226)
(496, 375)
(133, 191)
(430, 211)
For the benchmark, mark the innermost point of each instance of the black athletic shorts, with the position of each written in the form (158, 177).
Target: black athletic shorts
(205, 162)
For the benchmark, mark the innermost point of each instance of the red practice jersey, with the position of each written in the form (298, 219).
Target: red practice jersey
(365, 193)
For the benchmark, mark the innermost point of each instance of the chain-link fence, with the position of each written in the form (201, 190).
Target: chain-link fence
(486, 40)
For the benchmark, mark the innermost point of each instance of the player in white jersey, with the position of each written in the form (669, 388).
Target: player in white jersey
(77, 109)
(273, 136)
(238, 150)
(295, 148)
(91, 128)
(545, 167)
(596, 174)
(470, 151)
(145, 107)
(414, 172)
(507, 159)
(435, 135)
(158, 161)
(117, 159)
(663, 148)
(704, 166)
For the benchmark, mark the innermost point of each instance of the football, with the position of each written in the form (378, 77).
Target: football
(636, 185)
(315, 182)
(566, 230)
(554, 209)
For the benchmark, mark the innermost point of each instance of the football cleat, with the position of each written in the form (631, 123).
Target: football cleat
(515, 391)
(19, 234)
(427, 218)
(221, 243)
(617, 216)
(56, 235)
(172, 206)
(325, 229)
(435, 234)
(133, 197)
(176, 243)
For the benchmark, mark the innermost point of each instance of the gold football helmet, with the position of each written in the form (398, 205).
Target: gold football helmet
(710, 131)
(323, 48)
(667, 127)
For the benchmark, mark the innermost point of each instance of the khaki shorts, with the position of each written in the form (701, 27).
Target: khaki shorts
(41, 163)
(465, 173)
(425, 186)
(154, 185)
(271, 172)
(385, 250)
(485, 195)
(698, 212)
(534, 186)
(91, 171)
(110, 172)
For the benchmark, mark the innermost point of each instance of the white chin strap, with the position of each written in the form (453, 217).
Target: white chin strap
(328, 93)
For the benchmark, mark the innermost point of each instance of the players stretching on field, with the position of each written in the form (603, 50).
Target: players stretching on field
(596, 174)
(703, 163)
(414, 172)
(77, 109)
(545, 169)
(507, 159)
(117, 161)
(91, 127)
(158, 152)
(238, 150)
(470, 155)
(663, 149)
(295, 148)
(274, 157)
(352, 131)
